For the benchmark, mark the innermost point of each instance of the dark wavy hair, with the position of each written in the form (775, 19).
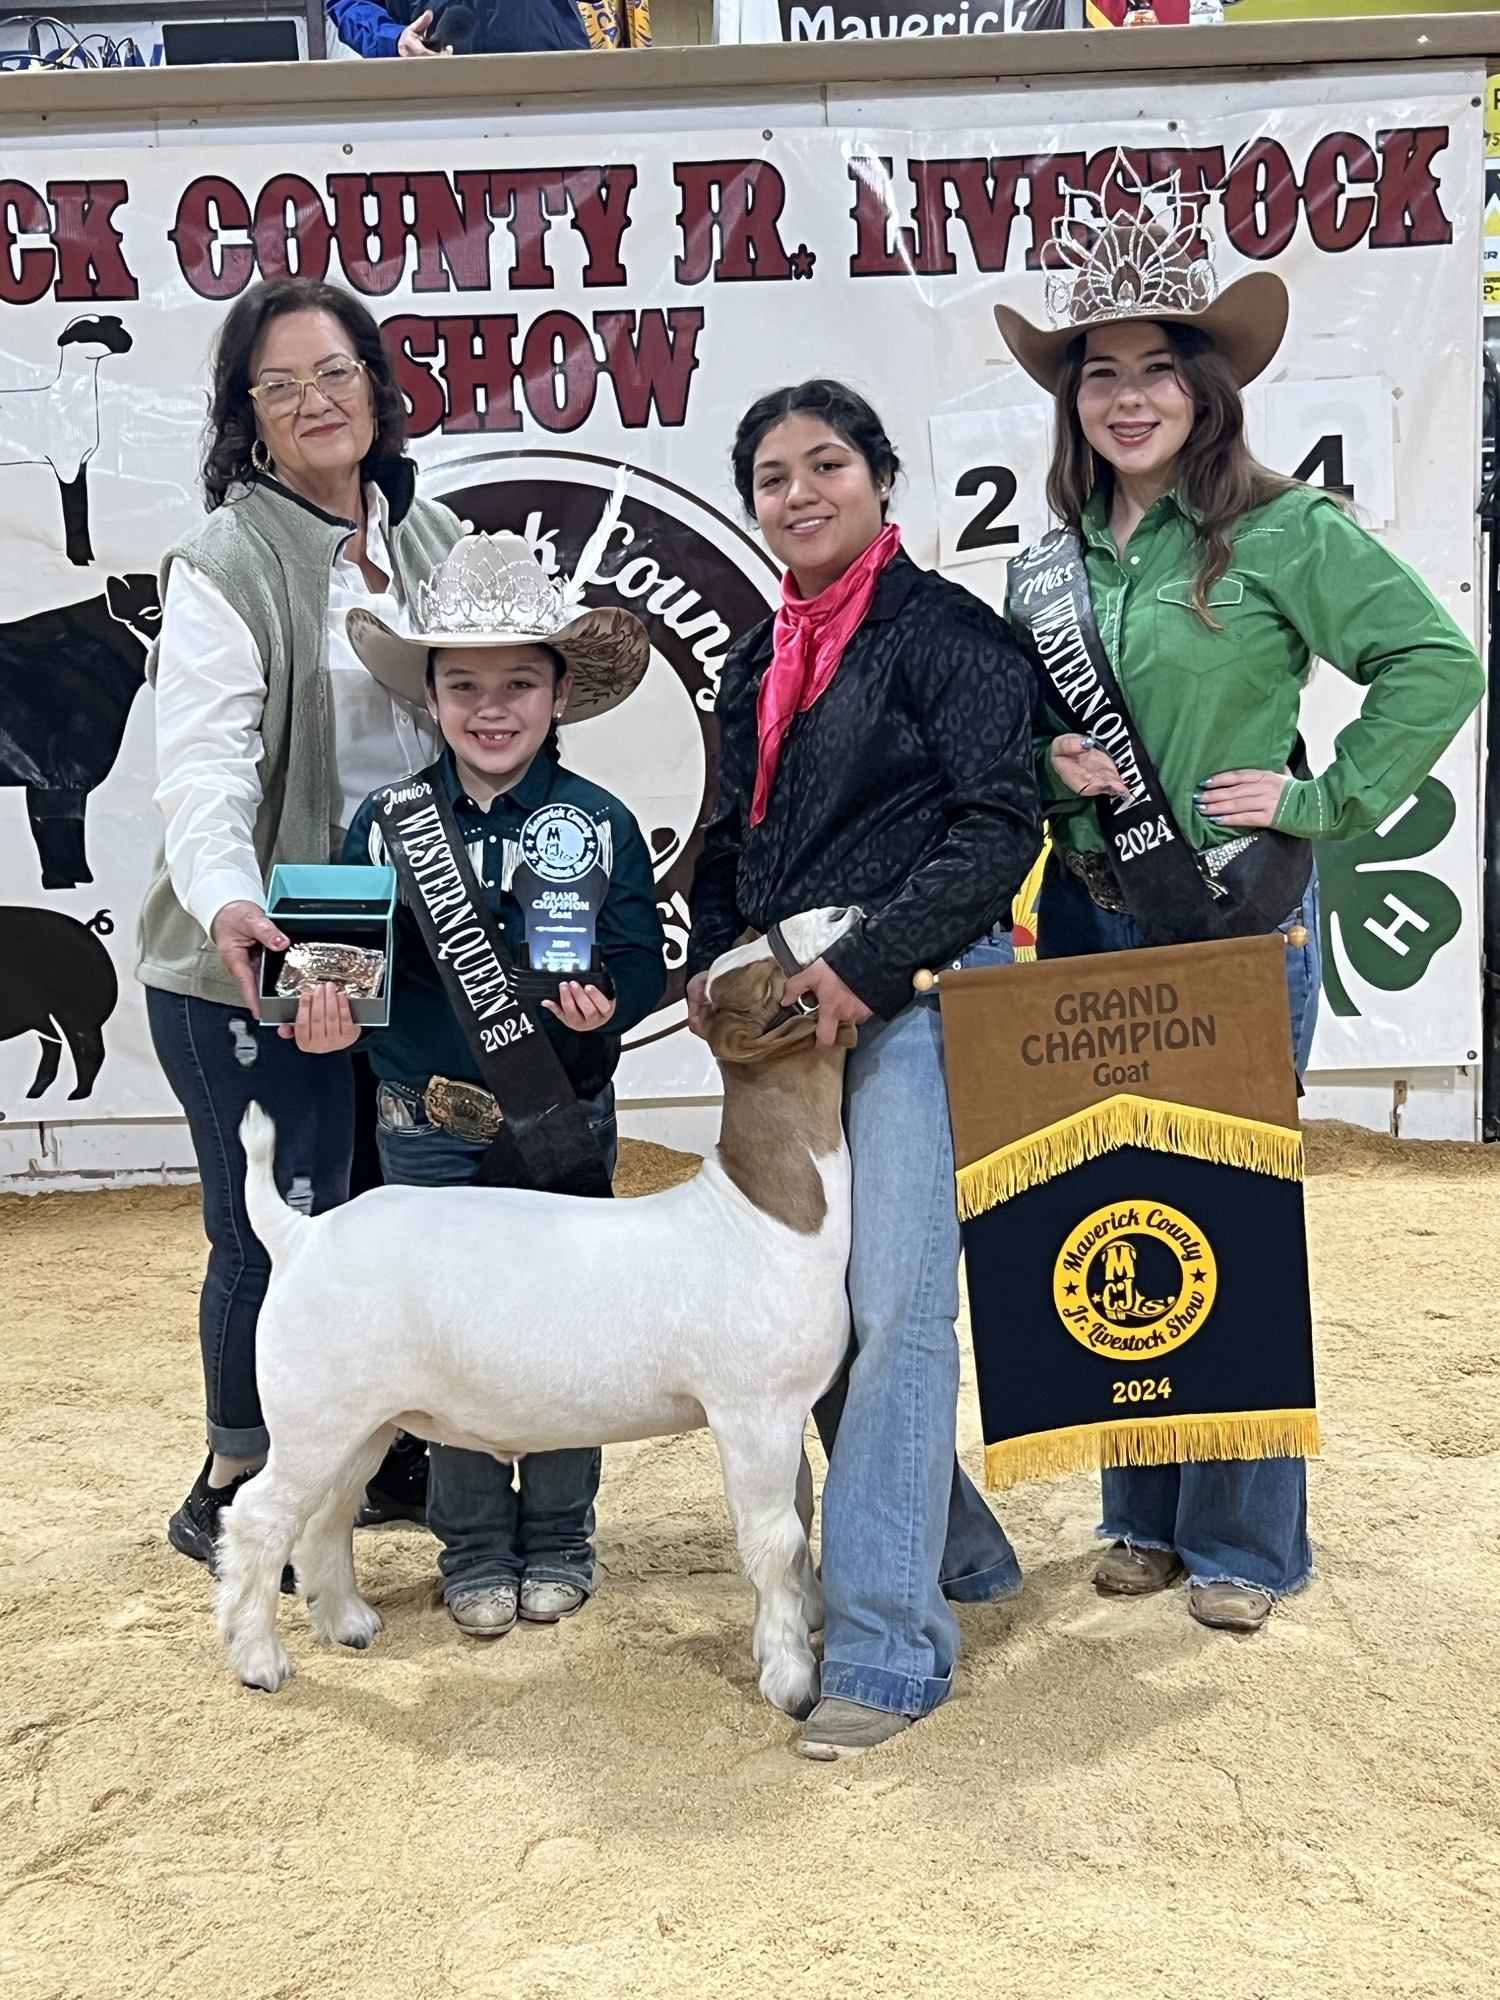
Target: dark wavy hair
(230, 432)
(1218, 475)
(843, 409)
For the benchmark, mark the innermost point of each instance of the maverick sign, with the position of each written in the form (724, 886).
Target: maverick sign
(1133, 1230)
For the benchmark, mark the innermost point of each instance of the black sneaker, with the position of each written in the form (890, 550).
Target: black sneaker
(194, 1529)
(398, 1492)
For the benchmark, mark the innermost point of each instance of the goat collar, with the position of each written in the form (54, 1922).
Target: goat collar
(791, 965)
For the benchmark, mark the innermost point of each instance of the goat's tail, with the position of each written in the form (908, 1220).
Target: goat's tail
(277, 1225)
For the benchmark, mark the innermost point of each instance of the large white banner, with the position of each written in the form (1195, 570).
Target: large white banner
(553, 319)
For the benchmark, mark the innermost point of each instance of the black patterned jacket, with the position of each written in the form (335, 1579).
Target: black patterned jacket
(907, 789)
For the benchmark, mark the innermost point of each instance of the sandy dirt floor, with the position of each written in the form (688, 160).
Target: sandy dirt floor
(1115, 1803)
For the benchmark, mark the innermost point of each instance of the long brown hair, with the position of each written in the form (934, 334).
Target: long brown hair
(1218, 476)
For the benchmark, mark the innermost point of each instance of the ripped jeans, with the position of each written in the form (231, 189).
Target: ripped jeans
(217, 1059)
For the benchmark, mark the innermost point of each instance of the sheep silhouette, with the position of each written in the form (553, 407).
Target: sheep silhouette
(59, 984)
(57, 424)
(67, 679)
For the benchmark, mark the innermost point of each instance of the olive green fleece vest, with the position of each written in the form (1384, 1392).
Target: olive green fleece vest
(271, 555)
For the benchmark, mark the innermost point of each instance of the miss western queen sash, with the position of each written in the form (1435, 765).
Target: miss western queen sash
(1130, 1184)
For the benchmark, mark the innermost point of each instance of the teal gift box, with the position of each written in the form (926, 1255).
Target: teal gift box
(313, 905)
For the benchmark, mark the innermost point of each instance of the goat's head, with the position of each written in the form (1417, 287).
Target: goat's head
(746, 988)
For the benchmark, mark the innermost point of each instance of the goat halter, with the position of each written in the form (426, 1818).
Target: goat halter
(791, 965)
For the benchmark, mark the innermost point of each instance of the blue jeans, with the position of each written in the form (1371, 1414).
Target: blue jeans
(217, 1059)
(494, 1527)
(903, 1528)
(1230, 1520)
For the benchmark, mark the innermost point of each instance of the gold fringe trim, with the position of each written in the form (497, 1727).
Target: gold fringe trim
(1152, 1441)
(1126, 1120)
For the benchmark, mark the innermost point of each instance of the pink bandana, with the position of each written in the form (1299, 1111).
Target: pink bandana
(809, 638)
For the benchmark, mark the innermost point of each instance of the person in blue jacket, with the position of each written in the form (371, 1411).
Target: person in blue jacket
(469, 27)
(511, 1546)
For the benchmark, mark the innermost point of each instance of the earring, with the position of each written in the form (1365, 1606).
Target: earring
(261, 458)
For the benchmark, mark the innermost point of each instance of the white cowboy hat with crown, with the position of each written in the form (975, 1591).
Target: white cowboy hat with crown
(490, 590)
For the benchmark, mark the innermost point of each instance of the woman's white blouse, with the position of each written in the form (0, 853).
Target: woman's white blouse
(210, 693)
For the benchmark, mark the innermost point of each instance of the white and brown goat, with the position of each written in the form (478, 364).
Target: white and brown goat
(506, 1321)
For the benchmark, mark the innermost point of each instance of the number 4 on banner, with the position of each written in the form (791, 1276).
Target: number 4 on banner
(1336, 434)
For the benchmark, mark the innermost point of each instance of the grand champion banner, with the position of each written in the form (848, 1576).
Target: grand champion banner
(559, 306)
(1130, 1183)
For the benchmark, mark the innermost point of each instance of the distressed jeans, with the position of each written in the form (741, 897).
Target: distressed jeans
(1230, 1520)
(904, 1529)
(497, 1522)
(217, 1059)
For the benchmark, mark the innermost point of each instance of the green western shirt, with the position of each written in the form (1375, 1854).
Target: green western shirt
(1306, 581)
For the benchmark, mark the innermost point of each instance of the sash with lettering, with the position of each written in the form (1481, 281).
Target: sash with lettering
(1130, 1185)
(545, 1141)
(1243, 887)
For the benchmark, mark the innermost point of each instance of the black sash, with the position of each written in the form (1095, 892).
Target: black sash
(545, 1141)
(1246, 886)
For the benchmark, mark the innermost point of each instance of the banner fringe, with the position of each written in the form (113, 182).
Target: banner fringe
(1126, 1120)
(1152, 1441)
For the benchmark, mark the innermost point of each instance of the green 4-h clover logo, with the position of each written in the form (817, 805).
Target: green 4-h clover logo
(1391, 920)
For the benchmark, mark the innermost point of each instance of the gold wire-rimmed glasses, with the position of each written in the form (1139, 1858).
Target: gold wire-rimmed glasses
(338, 380)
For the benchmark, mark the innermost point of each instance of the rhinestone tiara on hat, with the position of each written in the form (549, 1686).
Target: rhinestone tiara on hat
(490, 583)
(494, 585)
(1127, 250)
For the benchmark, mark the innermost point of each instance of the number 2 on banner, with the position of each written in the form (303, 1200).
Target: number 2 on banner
(982, 532)
(1147, 1391)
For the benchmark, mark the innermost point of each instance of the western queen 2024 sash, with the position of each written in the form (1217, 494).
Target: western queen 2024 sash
(1129, 1177)
(1237, 889)
(545, 1141)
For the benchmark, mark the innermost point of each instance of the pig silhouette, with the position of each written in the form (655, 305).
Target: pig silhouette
(59, 984)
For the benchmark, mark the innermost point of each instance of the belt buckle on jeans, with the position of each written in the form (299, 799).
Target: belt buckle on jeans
(1094, 872)
(463, 1110)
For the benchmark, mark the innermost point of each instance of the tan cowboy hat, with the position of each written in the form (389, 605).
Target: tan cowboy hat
(1137, 265)
(490, 590)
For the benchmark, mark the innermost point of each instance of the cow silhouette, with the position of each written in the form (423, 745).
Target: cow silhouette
(67, 679)
(59, 984)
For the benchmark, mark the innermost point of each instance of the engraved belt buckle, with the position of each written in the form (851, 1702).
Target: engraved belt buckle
(464, 1110)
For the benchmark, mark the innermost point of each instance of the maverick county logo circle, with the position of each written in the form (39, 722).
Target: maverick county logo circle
(1134, 1280)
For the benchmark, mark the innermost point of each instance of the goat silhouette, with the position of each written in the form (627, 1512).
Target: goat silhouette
(57, 424)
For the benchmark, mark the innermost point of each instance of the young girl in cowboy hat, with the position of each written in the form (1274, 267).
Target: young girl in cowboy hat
(1215, 583)
(518, 665)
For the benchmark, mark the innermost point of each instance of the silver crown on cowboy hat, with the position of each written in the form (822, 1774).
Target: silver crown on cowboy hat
(490, 590)
(1127, 254)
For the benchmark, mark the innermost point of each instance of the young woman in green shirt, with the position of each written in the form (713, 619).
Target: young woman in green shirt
(1215, 584)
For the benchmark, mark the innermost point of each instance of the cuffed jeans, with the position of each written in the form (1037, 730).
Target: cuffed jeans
(217, 1059)
(494, 1526)
(1230, 1520)
(904, 1529)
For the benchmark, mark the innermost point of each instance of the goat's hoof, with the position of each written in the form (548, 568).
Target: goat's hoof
(791, 1686)
(353, 1624)
(263, 1668)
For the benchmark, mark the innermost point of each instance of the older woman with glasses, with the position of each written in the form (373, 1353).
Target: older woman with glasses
(269, 733)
